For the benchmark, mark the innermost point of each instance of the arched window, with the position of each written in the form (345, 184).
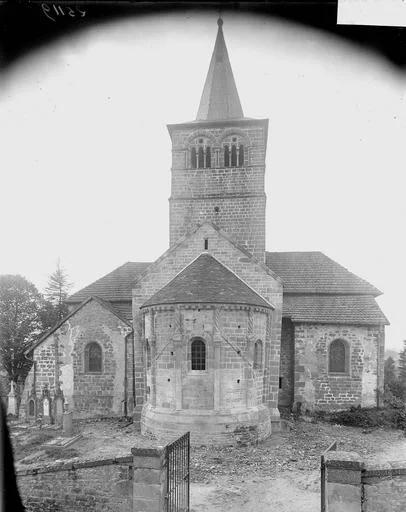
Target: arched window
(338, 357)
(193, 158)
(233, 155)
(93, 358)
(208, 157)
(198, 355)
(200, 152)
(258, 354)
(241, 156)
(226, 156)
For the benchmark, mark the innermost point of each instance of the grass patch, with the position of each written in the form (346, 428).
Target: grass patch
(370, 417)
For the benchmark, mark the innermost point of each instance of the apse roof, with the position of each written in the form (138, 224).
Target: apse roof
(206, 280)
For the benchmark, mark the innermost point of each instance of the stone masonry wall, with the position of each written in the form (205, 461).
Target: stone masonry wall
(80, 487)
(254, 274)
(231, 197)
(315, 387)
(61, 357)
(355, 485)
(287, 370)
(240, 384)
(384, 487)
(133, 483)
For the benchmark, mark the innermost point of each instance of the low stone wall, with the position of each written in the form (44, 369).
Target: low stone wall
(384, 487)
(124, 484)
(354, 485)
(87, 485)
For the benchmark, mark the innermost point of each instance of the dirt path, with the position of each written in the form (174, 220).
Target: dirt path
(282, 494)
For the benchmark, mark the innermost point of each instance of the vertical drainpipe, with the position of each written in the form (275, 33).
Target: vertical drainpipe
(133, 368)
(126, 373)
(379, 376)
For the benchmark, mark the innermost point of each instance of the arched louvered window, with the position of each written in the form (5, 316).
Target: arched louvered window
(338, 357)
(200, 157)
(226, 156)
(258, 354)
(193, 158)
(241, 156)
(233, 155)
(208, 157)
(198, 354)
(93, 358)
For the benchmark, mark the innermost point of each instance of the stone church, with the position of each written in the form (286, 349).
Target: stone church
(217, 334)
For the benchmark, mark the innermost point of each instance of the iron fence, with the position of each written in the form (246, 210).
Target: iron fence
(177, 458)
(332, 447)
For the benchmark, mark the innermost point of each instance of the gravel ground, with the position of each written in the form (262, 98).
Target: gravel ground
(277, 474)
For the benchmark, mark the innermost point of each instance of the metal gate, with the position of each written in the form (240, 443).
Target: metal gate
(333, 446)
(177, 457)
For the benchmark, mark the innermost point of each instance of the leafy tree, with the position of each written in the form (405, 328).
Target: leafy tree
(20, 323)
(393, 386)
(57, 291)
(389, 371)
(402, 366)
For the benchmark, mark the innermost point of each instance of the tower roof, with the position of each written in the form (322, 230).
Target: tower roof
(220, 99)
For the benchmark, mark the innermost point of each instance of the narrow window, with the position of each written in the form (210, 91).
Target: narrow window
(226, 156)
(148, 354)
(280, 382)
(198, 356)
(241, 156)
(206, 244)
(31, 408)
(233, 155)
(201, 158)
(93, 358)
(258, 354)
(337, 357)
(193, 158)
(208, 157)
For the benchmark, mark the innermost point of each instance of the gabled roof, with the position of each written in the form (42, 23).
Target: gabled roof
(333, 309)
(220, 100)
(102, 302)
(314, 272)
(206, 280)
(115, 286)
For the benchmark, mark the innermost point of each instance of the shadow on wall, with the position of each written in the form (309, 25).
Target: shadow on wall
(10, 500)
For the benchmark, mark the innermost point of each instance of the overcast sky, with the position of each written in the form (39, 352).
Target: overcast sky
(85, 158)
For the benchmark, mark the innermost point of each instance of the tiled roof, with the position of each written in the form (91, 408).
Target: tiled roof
(115, 286)
(100, 301)
(219, 99)
(326, 291)
(341, 309)
(314, 272)
(206, 280)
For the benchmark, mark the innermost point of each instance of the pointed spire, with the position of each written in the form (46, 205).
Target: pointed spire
(220, 99)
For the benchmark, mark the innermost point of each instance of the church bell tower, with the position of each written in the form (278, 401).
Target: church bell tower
(218, 163)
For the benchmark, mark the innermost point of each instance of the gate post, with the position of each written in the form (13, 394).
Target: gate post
(149, 480)
(344, 488)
